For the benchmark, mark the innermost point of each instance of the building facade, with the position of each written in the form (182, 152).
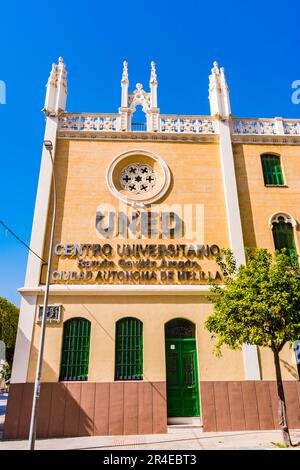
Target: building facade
(143, 208)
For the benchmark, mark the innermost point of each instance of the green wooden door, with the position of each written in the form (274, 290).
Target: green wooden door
(182, 378)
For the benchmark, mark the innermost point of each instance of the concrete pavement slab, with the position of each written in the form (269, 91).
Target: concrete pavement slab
(175, 439)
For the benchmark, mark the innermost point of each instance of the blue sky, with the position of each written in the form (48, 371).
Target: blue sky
(256, 42)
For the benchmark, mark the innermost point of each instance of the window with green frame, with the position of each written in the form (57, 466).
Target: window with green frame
(75, 350)
(129, 349)
(272, 170)
(284, 238)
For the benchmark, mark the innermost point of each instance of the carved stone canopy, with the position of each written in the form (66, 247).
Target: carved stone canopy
(139, 97)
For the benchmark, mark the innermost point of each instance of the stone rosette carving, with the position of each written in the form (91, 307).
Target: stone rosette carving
(138, 176)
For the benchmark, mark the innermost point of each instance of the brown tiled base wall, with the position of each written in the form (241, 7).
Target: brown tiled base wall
(247, 405)
(88, 409)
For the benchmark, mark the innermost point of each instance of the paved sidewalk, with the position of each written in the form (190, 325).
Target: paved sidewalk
(178, 438)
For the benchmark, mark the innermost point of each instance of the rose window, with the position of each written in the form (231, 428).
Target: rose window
(138, 178)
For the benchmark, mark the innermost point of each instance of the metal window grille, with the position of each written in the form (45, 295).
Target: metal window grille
(138, 126)
(75, 350)
(284, 238)
(129, 349)
(272, 170)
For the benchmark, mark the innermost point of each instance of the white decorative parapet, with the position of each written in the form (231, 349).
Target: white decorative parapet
(89, 122)
(276, 126)
(112, 123)
(187, 124)
(291, 127)
(176, 124)
(253, 126)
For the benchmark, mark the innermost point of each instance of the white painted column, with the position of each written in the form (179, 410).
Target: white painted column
(55, 102)
(230, 192)
(33, 272)
(250, 354)
(220, 108)
(38, 232)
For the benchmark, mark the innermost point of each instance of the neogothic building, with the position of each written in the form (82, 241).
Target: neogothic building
(142, 210)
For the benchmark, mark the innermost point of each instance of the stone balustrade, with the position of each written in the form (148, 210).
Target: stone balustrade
(89, 122)
(276, 126)
(187, 124)
(167, 123)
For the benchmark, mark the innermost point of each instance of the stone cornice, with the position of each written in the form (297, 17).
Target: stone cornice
(265, 139)
(137, 136)
(118, 289)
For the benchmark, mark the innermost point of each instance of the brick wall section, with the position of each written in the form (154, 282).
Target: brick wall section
(247, 405)
(88, 409)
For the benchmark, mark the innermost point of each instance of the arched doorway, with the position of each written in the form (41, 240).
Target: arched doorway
(181, 369)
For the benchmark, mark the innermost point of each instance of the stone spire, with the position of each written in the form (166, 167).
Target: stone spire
(62, 86)
(148, 101)
(153, 76)
(125, 72)
(51, 91)
(124, 85)
(225, 93)
(56, 94)
(153, 85)
(219, 93)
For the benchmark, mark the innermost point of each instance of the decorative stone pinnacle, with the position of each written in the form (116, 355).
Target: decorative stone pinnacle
(215, 68)
(139, 86)
(153, 76)
(61, 73)
(219, 93)
(223, 81)
(57, 89)
(125, 72)
(53, 76)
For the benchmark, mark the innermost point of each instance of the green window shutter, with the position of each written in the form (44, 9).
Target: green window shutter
(284, 238)
(272, 170)
(129, 349)
(75, 350)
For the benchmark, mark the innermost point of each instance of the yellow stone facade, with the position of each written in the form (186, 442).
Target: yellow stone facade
(207, 175)
(81, 168)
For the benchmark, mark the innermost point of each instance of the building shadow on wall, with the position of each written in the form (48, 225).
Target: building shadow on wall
(63, 409)
(244, 197)
(73, 409)
(290, 368)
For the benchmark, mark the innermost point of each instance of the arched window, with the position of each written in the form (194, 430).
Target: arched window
(272, 171)
(75, 350)
(283, 234)
(129, 349)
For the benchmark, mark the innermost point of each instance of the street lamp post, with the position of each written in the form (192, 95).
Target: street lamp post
(37, 384)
